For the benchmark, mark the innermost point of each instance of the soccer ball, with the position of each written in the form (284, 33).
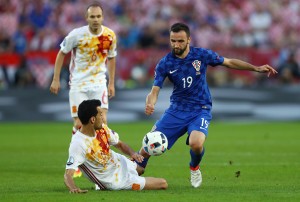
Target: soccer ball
(155, 143)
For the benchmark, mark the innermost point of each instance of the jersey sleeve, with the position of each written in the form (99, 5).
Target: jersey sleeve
(214, 59)
(69, 42)
(113, 137)
(76, 156)
(160, 74)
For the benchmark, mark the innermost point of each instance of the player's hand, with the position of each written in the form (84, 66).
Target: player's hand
(137, 157)
(111, 91)
(78, 191)
(55, 87)
(266, 69)
(149, 109)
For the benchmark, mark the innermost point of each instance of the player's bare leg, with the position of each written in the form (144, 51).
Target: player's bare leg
(144, 153)
(144, 163)
(104, 115)
(140, 170)
(196, 142)
(77, 125)
(155, 183)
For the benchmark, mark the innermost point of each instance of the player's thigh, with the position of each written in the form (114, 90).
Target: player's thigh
(75, 98)
(172, 126)
(200, 122)
(198, 128)
(132, 181)
(100, 94)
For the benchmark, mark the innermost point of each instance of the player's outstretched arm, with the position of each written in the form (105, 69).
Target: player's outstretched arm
(123, 147)
(151, 100)
(55, 85)
(69, 182)
(241, 65)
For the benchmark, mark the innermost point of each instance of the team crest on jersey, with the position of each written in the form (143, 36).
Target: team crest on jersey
(197, 64)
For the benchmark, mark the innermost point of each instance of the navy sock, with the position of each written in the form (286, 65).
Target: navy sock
(196, 158)
(143, 163)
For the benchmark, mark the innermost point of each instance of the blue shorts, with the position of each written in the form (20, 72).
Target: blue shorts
(175, 124)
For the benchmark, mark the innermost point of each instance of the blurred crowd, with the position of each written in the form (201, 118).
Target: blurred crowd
(41, 25)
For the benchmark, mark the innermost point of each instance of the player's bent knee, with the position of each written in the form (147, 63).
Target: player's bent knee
(196, 147)
(197, 144)
(164, 184)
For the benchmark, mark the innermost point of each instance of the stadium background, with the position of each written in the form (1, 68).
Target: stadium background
(259, 31)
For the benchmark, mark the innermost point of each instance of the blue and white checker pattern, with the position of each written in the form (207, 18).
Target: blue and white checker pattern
(190, 90)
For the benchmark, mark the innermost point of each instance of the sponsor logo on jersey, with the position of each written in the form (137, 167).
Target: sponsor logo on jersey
(173, 71)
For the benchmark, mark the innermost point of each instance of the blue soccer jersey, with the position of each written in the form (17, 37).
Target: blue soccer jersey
(188, 75)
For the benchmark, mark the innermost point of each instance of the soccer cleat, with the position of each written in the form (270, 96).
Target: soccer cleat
(97, 188)
(196, 178)
(77, 173)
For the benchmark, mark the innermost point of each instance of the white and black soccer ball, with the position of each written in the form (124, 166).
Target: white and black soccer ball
(155, 143)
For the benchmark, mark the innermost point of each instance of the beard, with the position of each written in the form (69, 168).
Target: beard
(179, 51)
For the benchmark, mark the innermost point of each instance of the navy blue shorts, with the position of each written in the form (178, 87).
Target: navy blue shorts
(175, 124)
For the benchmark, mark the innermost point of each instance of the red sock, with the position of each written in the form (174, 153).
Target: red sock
(194, 168)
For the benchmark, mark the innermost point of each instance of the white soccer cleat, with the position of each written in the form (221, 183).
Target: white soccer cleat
(196, 178)
(97, 188)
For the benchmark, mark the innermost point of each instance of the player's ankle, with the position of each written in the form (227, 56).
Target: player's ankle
(194, 168)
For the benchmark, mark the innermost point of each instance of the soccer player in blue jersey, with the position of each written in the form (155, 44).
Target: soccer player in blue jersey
(191, 102)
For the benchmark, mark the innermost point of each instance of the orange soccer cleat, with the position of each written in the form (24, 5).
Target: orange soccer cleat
(77, 173)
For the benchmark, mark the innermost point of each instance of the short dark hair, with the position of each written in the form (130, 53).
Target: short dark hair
(94, 4)
(88, 109)
(179, 26)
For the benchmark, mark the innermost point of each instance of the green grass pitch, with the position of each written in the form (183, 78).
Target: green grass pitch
(243, 162)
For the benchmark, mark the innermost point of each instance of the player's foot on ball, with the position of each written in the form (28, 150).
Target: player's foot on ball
(77, 173)
(196, 178)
